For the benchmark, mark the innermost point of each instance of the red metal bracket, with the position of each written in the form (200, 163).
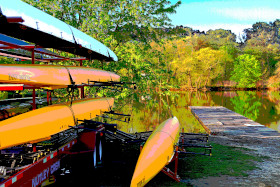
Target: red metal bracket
(14, 19)
(173, 174)
(11, 87)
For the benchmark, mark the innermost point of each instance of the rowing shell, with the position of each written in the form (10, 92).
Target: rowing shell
(46, 31)
(52, 76)
(157, 152)
(40, 124)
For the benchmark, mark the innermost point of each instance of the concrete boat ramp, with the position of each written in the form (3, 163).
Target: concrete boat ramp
(222, 121)
(229, 128)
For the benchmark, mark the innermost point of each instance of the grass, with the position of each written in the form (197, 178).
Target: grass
(225, 160)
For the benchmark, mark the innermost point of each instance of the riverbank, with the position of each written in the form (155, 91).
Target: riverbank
(222, 88)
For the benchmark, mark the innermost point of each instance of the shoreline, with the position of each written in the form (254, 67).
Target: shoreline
(220, 88)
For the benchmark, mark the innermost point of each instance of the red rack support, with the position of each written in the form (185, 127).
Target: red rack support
(173, 174)
(82, 92)
(33, 99)
(49, 97)
(11, 87)
(14, 19)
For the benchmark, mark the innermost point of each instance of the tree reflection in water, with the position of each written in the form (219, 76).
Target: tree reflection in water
(262, 107)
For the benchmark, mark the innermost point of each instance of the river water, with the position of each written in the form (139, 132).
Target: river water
(260, 106)
(148, 112)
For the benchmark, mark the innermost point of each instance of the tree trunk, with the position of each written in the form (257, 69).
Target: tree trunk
(190, 80)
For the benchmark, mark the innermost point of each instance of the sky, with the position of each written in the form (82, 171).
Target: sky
(234, 15)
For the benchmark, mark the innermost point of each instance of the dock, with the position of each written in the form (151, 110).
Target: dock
(229, 128)
(219, 120)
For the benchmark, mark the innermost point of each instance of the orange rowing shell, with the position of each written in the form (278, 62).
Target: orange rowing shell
(42, 123)
(52, 76)
(157, 152)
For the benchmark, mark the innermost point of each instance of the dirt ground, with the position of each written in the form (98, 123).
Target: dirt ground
(268, 172)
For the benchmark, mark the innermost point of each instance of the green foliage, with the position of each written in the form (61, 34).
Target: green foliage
(220, 37)
(247, 71)
(4, 60)
(3, 95)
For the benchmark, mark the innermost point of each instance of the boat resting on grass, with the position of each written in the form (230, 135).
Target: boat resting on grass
(52, 76)
(40, 124)
(157, 152)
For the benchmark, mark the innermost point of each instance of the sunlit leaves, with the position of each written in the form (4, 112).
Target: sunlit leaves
(247, 71)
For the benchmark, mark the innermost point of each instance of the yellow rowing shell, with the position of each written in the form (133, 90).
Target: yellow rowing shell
(40, 124)
(52, 76)
(157, 152)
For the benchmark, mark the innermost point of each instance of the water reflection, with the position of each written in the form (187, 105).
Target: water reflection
(247, 104)
(260, 106)
(147, 113)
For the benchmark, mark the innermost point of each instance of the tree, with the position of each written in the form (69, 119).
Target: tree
(220, 37)
(209, 64)
(112, 21)
(247, 71)
(180, 56)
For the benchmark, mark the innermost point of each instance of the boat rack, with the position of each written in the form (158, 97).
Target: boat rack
(122, 137)
(112, 134)
(194, 141)
(34, 159)
(119, 117)
(187, 140)
(14, 159)
(92, 125)
(143, 135)
(110, 83)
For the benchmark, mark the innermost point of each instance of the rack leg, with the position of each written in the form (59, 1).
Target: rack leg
(33, 98)
(51, 98)
(173, 174)
(48, 97)
(82, 92)
(34, 147)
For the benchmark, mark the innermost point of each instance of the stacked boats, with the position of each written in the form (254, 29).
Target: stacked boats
(25, 28)
(40, 124)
